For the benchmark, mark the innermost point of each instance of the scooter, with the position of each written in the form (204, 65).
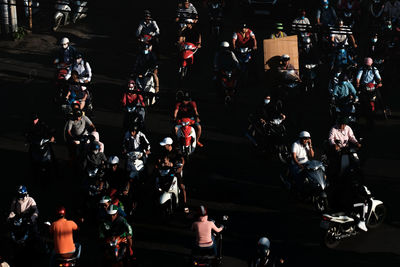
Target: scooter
(42, 154)
(187, 137)
(205, 256)
(145, 83)
(244, 56)
(68, 259)
(370, 105)
(134, 116)
(69, 12)
(135, 164)
(215, 12)
(186, 59)
(229, 83)
(313, 186)
(167, 186)
(60, 82)
(343, 108)
(337, 226)
(20, 231)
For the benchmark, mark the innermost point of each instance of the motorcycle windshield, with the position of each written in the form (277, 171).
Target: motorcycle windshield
(317, 177)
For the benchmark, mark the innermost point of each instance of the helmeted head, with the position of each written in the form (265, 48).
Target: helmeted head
(35, 117)
(77, 114)
(75, 76)
(131, 85)
(147, 15)
(133, 129)
(64, 42)
(202, 211)
(112, 211)
(186, 99)
(167, 143)
(95, 147)
(285, 58)
(267, 99)
(325, 3)
(22, 192)
(105, 202)
(342, 122)
(304, 136)
(60, 211)
(263, 246)
(224, 45)
(78, 58)
(243, 27)
(146, 49)
(302, 13)
(340, 23)
(368, 61)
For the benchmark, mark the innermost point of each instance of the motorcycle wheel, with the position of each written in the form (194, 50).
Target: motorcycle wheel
(377, 217)
(57, 23)
(328, 238)
(283, 153)
(321, 204)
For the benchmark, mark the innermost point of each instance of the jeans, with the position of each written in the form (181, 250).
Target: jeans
(53, 254)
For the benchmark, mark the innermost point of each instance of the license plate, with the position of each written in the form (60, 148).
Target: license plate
(324, 225)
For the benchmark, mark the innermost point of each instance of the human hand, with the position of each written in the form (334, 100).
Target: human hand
(337, 148)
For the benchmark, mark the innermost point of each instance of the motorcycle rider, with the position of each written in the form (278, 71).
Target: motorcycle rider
(104, 203)
(301, 24)
(95, 159)
(203, 228)
(148, 26)
(146, 60)
(326, 14)
(78, 126)
(301, 150)
(24, 206)
(186, 10)
(341, 35)
(287, 67)
(82, 67)
(263, 256)
(116, 226)
(368, 74)
(344, 89)
(62, 231)
(392, 10)
(341, 58)
(190, 34)
(188, 109)
(133, 97)
(66, 54)
(37, 131)
(278, 33)
(244, 37)
(177, 161)
(225, 59)
(77, 92)
(341, 134)
(135, 140)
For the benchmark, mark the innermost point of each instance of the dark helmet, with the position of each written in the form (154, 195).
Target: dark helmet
(147, 14)
(60, 211)
(94, 146)
(202, 211)
(22, 191)
(343, 77)
(186, 97)
(79, 55)
(343, 120)
(133, 128)
(34, 116)
(131, 85)
(77, 113)
(243, 25)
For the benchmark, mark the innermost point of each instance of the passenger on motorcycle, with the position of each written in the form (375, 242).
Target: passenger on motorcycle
(301, 150)
(301, 24)
(104, 203)
(133, 98)
(341, 134)
(66, 54)
(341, 35)
(176, 161)
(278, 32)
(94, 158)
(326, 14)
(135, 140)
(148, 26)
(115, 226)
(186, 10)
(146, 60)
(24, 206)
(62, 231)
(38, 130)
(287, 68)
(82, 67)
(188, 109)
(225, 59)
(244, 37)
(78, 126)
(344, 89)
(190, 34)
(77, 92)
(269, 111)
(203, 228)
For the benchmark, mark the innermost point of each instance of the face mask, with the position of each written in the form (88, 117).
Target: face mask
(342, 51)
(79, 60)
(95, 151)
(374, 40)
(326, 6)
(266, 101)
(302, 17)
(146, 52)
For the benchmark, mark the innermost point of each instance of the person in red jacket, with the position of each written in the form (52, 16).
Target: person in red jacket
(133, 98)
(244, 38)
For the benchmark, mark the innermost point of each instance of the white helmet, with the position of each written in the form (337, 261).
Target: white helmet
(304, 134)
(263, 246)
(64, 40)
(224, 44)
(113, 160)
(285, 57)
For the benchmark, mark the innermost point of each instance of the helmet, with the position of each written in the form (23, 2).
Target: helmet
(64, 40)
(77, 113)
(343, 120)
(147, 14)
(325, 2)
(285, 57)
(243, 25)
(113, 160)
(133, 128)
(131, 85)
(186, 98)
(368, 61)
(105, 199)
(202, 211)
(304, 134)
(94, 146)
(60, 211)
(112, 209)
(79, 55)
(279, 26)
(264, 245)
(22, 191)
(224, 44)
(166, 141)
(35, 116)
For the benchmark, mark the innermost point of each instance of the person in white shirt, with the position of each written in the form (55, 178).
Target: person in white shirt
(301, 24)
(302, 150)
(83, 69)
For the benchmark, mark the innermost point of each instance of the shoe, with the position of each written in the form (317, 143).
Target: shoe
(199, 144)
(362, 226)
(186, 210)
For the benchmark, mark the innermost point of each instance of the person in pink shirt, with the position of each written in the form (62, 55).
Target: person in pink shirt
(341, 134)
(203, 228)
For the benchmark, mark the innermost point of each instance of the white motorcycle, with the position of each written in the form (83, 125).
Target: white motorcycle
(167, 185)
(69, 11)
(135, 164)
(337, 226)
(146, 84)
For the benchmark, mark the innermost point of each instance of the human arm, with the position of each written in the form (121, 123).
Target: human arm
(352, 137)
(234, 38)
(89, 72)
(352, 90)
(215, 228)
(12, 210)
(176, 111)
(253, 36)
(139, 30)
(332, 139)
(310, 150)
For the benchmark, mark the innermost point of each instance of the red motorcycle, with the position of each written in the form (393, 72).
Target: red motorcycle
(186, 136)
(60, 81)
(187, 53)
(371, 103)
(229, 83)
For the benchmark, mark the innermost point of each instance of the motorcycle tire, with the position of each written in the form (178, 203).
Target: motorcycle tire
(328, 241)
(378, 217)
(321, 204)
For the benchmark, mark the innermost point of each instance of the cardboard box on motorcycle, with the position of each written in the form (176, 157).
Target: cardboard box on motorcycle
(275, 48)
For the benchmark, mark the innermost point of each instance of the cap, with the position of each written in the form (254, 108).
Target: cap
(304, 134)
(166, 141)
(112, 210)
(105, 199)
(113, 160)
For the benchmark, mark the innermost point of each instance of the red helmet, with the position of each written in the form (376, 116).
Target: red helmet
(131, 85)
(60, 211)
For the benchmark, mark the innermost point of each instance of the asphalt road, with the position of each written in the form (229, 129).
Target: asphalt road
(226, 174)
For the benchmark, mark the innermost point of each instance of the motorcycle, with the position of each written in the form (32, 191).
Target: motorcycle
(370, 104)
(42, 154)
(135, 164)
(244, 56)
(68, 259)
(337, 226)
(167, 185)
(313, 186)
(134, 116)
(145, 83)
(117, 251)
(270, 136)
(215, 11)
(69, 12)
(20, 231)
(61, 83)
(229, 83)
(206, 256)
(186, 136)
(345, 107)
(186, 59)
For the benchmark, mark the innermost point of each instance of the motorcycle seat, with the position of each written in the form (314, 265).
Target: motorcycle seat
(67, 256)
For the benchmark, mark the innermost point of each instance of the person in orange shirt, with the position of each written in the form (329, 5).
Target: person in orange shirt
(62, 231)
